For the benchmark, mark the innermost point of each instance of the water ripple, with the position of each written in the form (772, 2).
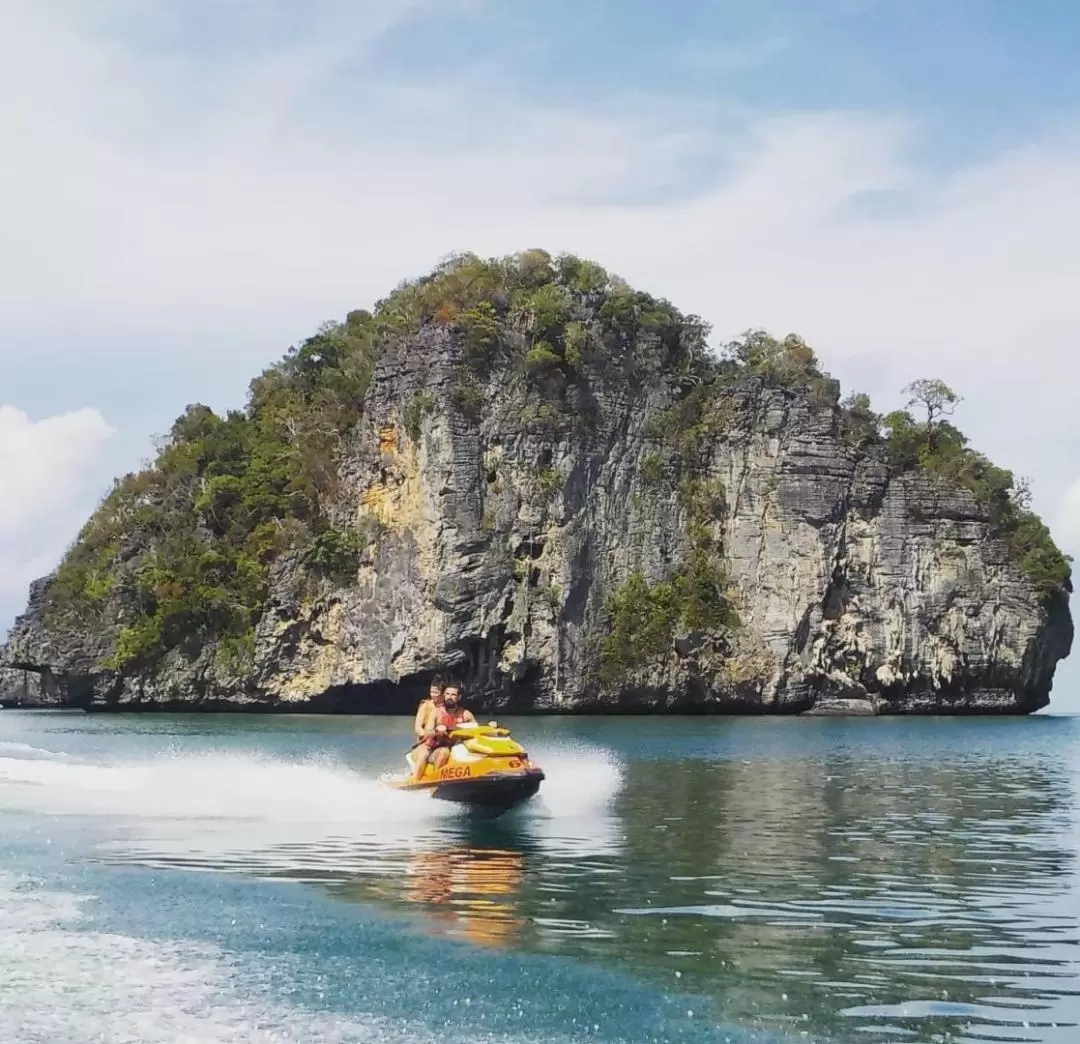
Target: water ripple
(921, 894)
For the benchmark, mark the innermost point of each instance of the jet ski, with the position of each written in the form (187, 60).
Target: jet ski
(487, 771)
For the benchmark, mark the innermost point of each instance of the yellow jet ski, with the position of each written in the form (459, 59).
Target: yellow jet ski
(487, 771)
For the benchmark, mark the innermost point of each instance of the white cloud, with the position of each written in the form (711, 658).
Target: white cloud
(1067, 521)
(43, 465)
(248, 201)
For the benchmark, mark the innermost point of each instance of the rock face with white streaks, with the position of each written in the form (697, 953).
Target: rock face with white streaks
(500, 541)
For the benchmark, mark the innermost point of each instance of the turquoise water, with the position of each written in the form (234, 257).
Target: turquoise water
(238, 879)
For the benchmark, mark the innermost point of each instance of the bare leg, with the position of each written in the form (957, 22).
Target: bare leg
(422, 754)
(440, 758)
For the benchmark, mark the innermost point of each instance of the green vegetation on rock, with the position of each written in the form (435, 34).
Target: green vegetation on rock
(186, 546)
(183, 553)
(652, 470)
(416, 409)
(549, 482)
(936, 446)
(646, 619)
(689, 425)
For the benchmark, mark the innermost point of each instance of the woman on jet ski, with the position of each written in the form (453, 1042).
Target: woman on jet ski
(424, 721)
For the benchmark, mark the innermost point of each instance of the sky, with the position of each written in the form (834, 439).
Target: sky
(189, 187)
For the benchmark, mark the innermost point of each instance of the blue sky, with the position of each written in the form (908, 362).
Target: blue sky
(190, 186)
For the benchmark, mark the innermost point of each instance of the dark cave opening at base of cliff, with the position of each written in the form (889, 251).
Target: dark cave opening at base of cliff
(403, 696)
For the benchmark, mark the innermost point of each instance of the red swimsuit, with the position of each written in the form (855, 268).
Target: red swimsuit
(448, 718)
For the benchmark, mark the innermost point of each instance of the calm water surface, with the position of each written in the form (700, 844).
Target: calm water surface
(236, 879)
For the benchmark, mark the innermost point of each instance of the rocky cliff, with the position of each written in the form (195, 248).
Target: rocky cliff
(528, 475)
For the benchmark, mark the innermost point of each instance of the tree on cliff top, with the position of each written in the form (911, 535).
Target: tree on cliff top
(935, 397)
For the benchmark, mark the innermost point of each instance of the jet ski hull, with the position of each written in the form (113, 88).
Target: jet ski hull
(493, 794)
(487, 795)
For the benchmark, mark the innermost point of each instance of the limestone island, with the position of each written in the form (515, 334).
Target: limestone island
(526, 474)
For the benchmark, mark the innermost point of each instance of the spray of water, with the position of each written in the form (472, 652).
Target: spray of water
(199, 786)
(265, 814)
(579, 781)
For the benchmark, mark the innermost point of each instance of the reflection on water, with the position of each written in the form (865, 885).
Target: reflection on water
(467, 892)
(913, 900)
(876, 891)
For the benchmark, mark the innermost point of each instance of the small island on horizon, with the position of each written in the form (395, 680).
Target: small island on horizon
(524, 473)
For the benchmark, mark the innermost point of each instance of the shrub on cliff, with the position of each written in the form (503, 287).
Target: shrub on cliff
(646, 618)
(937, 446)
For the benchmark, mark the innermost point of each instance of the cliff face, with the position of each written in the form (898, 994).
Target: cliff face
(663, 536)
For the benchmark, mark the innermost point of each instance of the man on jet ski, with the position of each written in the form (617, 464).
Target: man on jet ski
(452, 713)
(435, 744)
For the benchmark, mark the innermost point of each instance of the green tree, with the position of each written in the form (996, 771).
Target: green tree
(790, 361)
(859, 423)
(935, 397)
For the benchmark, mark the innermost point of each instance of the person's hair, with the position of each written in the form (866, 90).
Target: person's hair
(438, 679)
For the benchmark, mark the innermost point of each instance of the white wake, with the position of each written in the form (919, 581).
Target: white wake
(271, 815)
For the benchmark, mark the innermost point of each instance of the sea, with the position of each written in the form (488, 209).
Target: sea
(245, 878)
